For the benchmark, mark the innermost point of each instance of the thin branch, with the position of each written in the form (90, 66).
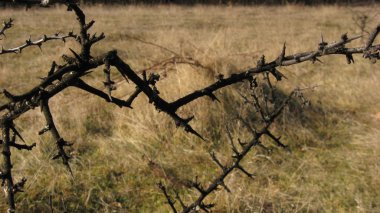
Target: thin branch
(286, 61)
(219, 181)
(167, 196)
(84, 86)
(153, 44)
(372, 37)
(38, 43)
(60, 142)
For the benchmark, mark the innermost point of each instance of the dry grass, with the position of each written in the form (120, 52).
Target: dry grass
(334, 166)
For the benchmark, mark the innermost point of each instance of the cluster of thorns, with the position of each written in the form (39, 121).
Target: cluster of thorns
(79, 64)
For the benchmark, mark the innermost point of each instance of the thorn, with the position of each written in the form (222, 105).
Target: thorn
(8, 95)
(275, 139)
(40, 46)
(220, 77)
(225, 186)
(184, 123)
(213, 97)
(16, 132)
(52, 69)
(56, 157)
(76, 56)
(261, 61)
(277, 74)
(344, 37)
(45, 129)
(216, 160)
(321, 46)
(187, 120)
(188, 128)
(350, 59)
(244, 171)
(314, 59)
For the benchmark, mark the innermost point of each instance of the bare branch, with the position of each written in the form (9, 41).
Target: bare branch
(372, 37)
(60, 142)
(60, 77)
(169, 200)
(219, 181)
(82, 85)
(38, 43)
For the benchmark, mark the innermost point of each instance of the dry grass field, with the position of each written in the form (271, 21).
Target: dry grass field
(334, 165)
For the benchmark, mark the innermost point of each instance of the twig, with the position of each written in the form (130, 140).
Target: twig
(6, 25)
(38, 43)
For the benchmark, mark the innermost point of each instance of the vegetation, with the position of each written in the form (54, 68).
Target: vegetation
(119, 155)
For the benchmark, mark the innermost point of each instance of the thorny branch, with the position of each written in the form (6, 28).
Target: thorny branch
(79, 64)
(268, 119)
(60, 142)
(29, 42)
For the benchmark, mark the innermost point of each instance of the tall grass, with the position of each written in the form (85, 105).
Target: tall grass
(334, 163)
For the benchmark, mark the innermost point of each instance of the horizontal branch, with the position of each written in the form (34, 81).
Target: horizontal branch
(82, 85)
(50, 86)
(247, 74)
(38, 43)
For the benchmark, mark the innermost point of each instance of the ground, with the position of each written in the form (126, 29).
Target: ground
(334, 162)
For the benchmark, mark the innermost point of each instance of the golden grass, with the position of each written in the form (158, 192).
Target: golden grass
(334, 164)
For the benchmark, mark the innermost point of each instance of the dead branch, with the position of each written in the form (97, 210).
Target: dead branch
(29, 42)
(80, 63)
(60, 142)
(237, 156)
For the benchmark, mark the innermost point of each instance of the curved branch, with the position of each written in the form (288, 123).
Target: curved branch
(38, 43)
